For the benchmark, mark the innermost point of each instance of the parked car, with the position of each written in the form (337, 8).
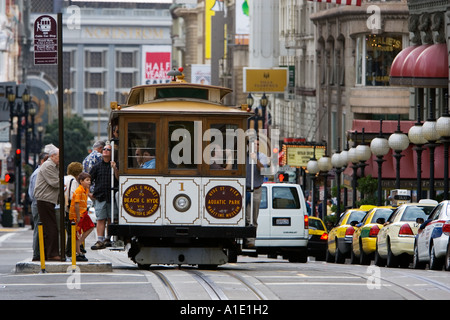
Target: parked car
(341, 236)
(318, 236)
(395, 241)
(430, 246)
(365, 235)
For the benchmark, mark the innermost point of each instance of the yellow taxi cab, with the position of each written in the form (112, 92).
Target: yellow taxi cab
(365, 235)
(341, 236)
(395, 241)
(318, 236)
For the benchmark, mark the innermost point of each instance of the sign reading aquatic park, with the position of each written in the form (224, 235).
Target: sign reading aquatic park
(45, 41)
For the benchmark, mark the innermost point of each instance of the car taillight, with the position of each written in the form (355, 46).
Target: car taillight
(405, 230)
(306, 222)
(349, 231)
(374, 231)
(446, 228)
(324, 236)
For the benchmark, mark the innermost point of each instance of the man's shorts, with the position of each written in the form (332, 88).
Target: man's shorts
(103, 210)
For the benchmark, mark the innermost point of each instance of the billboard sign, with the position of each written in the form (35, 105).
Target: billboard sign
(156, 63)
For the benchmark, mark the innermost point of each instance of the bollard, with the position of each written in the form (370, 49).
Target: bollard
(74, 243)
(41, 246)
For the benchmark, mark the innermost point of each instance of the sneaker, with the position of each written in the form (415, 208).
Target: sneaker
(98, 245)
(82, 249)
(108, 243)
(81, 258)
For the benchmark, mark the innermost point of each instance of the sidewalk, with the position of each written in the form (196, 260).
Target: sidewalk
(96, 263)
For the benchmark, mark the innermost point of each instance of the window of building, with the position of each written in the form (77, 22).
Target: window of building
(374, 56)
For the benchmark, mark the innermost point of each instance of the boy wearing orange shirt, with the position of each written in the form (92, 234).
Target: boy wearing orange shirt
(79, 214)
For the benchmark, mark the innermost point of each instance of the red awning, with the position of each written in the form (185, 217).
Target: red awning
(421, 66)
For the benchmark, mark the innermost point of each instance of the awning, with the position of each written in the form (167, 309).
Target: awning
(421, 66)
(344, 2)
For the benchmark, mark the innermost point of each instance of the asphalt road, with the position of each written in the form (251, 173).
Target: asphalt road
(250, 279)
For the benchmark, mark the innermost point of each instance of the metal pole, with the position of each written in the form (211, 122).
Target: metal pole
(61, 138)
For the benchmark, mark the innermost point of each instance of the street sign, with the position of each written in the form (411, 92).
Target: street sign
(45, 41)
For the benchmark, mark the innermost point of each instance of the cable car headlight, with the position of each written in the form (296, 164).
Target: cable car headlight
(182, 202)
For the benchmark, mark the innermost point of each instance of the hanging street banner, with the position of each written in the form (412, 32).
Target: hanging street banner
(45, 40)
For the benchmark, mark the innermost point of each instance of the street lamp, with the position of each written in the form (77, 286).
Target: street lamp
(398, 141)
(325, 165)
(430, 134)
(363, 154)
(379, 147)
(416, 137)
(353, 158)
(339, 161)
(443, 130)
(313, 168)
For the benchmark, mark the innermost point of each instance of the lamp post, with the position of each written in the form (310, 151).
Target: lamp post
(416, 137)
(363, 154)
(353, 158)
(325, 165)
(339, 161)
(430, 134)
(398, 141)
(263, 102)
(313, 168)
(379, 147)
(443, 129)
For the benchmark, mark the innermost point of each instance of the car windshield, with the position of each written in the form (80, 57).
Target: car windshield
(315, 224)
(381, 213)
(412, 213)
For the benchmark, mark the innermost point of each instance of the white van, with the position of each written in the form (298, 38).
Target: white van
(282, 222)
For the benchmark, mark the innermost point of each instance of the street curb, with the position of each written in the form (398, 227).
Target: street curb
(28, 266)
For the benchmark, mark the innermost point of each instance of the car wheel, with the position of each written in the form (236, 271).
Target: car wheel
(416, 263)
(379, 261)
(392, 260)
(329, 257)
(447, 258)
(435, 263)
(339, 257)
(364, 258)
(353, 258)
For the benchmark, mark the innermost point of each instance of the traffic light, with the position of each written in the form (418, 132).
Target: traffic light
(18, 157)
(283, 177)
(9, 177)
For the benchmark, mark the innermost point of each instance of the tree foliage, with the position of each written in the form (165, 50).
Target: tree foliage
(77, 138)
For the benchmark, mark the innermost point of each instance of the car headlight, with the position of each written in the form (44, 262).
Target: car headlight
(182, 202)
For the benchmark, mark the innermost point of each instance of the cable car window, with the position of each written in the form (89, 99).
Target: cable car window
(285, 198)
(192, 93)
(142, 145)
(183, 144)
(221, 151)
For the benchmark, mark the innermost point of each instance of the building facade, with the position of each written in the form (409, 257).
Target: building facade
(355, 49)
(105, 53)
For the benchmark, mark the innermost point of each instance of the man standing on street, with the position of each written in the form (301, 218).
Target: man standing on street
(34, 210)
(101, 178)
(46, 193)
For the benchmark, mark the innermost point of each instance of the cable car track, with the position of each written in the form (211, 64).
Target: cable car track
(183, 284)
